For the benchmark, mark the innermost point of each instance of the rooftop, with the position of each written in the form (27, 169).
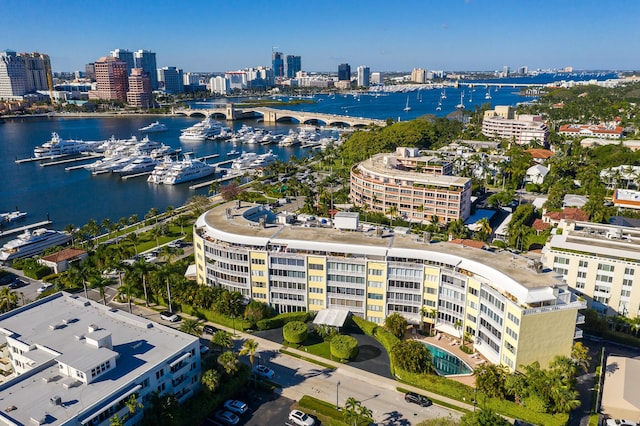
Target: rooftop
(60, 328)
(507, 269)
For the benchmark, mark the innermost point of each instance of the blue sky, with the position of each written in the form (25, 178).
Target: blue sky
(225, 35)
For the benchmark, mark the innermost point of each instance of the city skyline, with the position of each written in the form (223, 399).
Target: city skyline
(212, 36)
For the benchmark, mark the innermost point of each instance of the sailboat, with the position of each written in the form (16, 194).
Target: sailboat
(419, 96)
(471, 96)
(461, 104)
(488, 95)
(439, 107)
(407, 107)
(443, 95)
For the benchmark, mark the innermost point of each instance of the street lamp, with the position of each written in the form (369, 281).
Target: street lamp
(337, 387)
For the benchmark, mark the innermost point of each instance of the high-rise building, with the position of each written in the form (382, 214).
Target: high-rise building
(364, 76)
(505, 71)
(125, 56)
(146, 60)
(377, 78)
(139, 94)
(13, 76)
(277, 64)
(170, 78)
(90, 71)
(344, 72)
(111, 78)
(293, 65)
(38, 68)
(189, 78)
(419, 75)
(219, 85)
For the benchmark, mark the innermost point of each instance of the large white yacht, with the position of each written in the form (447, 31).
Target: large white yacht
(244, 161)
(187, 170)
(58, 147)
(32, 243)
(160, 171)
(201, 131)
(264, 160)
(156, 126)
(141, 164)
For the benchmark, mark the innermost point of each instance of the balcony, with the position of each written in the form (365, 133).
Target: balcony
(580, 319)
(577, 334)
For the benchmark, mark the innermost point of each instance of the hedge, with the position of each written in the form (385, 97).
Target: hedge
(237, 323)
(344, 347)
(295, 332)
(282, 319)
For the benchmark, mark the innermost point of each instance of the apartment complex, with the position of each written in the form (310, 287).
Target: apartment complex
(139, 94)
(410, 185)
(516, 312)
(591, 131)
(77, 362)
(419, 75)
(111, 80)
(599, 262)
(503, 123)
(22, 73)
(364, 76)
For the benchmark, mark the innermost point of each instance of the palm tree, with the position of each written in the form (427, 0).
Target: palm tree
(210, 380)
(191, 326)
(116, 420)
(392, 211)
(99, 282)
(106, 225)
(132, 405)
(458, 326)
(214, 187)
(483, 228)
(222, 340)
(355, 413)
(249, 347)
(229, 362)
(8, 299)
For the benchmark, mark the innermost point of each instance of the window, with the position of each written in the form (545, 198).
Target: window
(375, 308)
(430, 290)
(512, 333)
(316, 278)
(377, 272)
(255, 261)
(583, 264)
(628, 271)
(561, 260)
(316, 266)
(316, 290)
(374, 284)
(513, 318)
(374, 296)
(605, 267)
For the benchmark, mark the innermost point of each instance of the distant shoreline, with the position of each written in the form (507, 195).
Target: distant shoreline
(87, 114)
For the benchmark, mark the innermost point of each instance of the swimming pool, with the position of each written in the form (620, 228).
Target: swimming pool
(446, 363)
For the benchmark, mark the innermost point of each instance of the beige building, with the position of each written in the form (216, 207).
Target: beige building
(139, 94)
(599, 262)
(419, 75)
(516, 312)
(413, 186)
(620, 396)
(503, 123)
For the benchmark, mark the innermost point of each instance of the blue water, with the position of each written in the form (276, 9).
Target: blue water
(74, 197)
(447, 364)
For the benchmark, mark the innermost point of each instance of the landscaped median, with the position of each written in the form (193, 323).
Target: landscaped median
(324, 411)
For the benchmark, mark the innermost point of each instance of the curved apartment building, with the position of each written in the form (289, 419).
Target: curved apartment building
(516, 312)
(416, 187)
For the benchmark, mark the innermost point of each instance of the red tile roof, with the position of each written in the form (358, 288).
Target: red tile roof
(540, 225)
(62, 255)
(540, 153)
(572, 213)
(470, 243)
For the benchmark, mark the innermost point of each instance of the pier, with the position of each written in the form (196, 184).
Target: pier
(70, 160)
(227, 177)
(24, 228)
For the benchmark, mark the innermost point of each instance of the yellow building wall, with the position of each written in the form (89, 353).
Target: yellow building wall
(431, 280)
(543, 336)
(320, 286)
(509, 358)
(472, 300)
(198, 254)
(259, 284)
(381, 278)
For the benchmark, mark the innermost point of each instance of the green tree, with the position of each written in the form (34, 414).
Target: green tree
(491, 380)
(580, 355)
(191, 326)
(229, 362)
(355, 413)
(396, 324)
(483, 417)
(210, 380)
(222, 340)
(249, 348)
(8, 299)
(116, 420)
(101, 283)
(412, 356)
(133, 405)
(295, 332)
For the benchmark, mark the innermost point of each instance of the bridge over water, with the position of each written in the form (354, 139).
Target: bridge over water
(273, 115)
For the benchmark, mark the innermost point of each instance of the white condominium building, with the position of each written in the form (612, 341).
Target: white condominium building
(600, 262)
(413, 186)
(516, 312)
(502, 123)
(13, 76)
(76, 362)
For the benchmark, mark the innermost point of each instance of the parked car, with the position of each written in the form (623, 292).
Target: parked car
(301, 419)
(236, 406)
(620, 422)
(414, 398)
(209, 329)
(263, 371)
(169, 316)
(226, 417)
(44, 287)
(17, 283)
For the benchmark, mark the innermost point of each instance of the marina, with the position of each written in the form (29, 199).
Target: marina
(13, 231)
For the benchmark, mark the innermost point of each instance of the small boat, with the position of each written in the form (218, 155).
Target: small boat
(12, 216)
(407, 107)
(488, 95)
(233, 152)
(461, 104)
(443, 95)
(156, 126)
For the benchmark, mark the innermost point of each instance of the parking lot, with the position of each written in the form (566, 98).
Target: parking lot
(265, 408)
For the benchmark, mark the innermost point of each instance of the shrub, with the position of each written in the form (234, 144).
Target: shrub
(367, 327)
(295, 332)
(344, 347)
(282, 319)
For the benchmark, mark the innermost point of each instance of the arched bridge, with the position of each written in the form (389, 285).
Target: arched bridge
(273, 115)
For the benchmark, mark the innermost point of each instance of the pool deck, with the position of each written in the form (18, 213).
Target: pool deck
(446, 343)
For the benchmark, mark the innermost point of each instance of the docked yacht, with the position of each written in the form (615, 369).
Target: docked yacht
(201, 131)
(160, 171)
(264, 160)
(12, 216)
(32, 243)
(244, 161)
(57, 147)
(156, 126)
(187, 170)
(141, 164)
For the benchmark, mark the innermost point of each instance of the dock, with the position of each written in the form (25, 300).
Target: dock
(125, 177)
(70, 160)
(208, 157)
(222, 179)
(23, 228)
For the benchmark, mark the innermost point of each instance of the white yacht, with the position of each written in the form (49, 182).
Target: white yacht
(141, 164)
(187, 170)
(160, 171)
(233, 152)
(32, 243)
(201, 131)
(264, 160)
(58, 147)
(12, 216)
(156, 126)
(244, 161)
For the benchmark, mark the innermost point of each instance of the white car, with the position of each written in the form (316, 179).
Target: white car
(226, 417)
(263, 371)
(236, 406)
(169, 316)
(44, 287)
(301, 419)
(620, 422)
